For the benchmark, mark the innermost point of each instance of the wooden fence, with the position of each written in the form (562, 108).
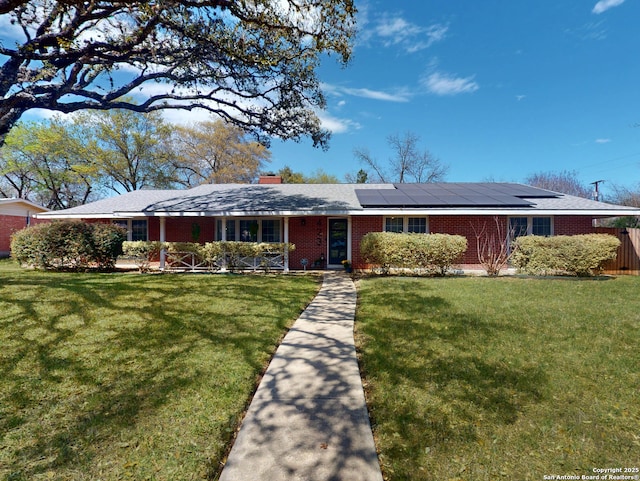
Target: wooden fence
(628, 260)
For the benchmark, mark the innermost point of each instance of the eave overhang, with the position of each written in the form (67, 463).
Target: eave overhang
(388, 212)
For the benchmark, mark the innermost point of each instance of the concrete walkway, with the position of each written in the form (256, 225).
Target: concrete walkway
(308, 420)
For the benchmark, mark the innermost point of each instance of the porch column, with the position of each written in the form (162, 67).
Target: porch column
(163, 235)
(223, 235)
(286, 240)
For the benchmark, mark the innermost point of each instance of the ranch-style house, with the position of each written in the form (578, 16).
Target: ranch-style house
(326, 222)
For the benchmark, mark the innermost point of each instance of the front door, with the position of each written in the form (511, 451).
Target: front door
(337, 240)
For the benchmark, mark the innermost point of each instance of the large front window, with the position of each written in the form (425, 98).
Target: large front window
(270, 230)
(250, 230)
(519, 226)
(137, 229)
(416, 225)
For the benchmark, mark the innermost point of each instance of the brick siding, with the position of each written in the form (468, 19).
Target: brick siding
(10, 224)
(572, 225)
(309, 234)
(360, 226)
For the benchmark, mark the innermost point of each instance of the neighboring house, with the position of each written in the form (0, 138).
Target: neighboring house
(328, 221)
(15, 214)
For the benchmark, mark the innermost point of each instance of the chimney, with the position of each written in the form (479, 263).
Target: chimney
(270, 179)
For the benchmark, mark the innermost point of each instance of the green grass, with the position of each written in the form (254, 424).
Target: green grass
(126, 376)
(509, 378)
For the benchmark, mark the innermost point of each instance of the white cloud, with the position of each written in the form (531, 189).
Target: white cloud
(400, 95)
(336, 125)
(436, 33)
(396, 28)
(604, 5)
(445, 84)
(396, 31)
(603, 141)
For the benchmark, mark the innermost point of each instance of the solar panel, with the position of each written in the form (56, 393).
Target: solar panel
(451, 195)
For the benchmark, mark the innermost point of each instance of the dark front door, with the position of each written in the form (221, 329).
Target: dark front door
(337, 240)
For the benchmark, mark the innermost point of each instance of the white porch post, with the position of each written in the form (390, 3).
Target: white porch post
(223, 228)
(286, 240)
(163, 238)
(223, 233)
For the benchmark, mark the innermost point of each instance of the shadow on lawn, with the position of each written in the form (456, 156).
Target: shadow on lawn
(312, 386)
(433, 359)
(85, 378)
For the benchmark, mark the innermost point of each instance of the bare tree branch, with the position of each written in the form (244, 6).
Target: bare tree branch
(409, 163)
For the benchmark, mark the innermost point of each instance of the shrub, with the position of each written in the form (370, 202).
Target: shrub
(107, 241)
(211, 255)
(431, 252)
(234, 252)
(142, 252)
(581, 255)
(68, 245)
(30, 246)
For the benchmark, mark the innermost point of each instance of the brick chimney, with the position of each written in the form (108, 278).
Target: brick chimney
(270, 179)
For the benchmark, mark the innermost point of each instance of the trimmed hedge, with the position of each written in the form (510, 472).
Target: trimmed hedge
(212, 254)
(580, 255)
(435, 253)
(142, 252)
(68, 245)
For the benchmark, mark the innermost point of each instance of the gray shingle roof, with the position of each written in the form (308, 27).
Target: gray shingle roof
(292, 199)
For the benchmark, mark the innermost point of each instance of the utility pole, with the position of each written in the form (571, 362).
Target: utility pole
(596, 193)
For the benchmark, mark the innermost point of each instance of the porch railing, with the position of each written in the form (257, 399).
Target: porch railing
(192, 261)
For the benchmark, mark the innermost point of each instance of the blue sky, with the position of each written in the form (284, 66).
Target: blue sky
(497, 90)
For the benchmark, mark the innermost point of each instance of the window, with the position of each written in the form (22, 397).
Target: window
(270, 230)
(122, 223)
(518, 226)
(139, 230)
(230, 228)
(417, 225)
(542, 226)
(248, 230)
(251, 230)
(394, 224)
(406, 224)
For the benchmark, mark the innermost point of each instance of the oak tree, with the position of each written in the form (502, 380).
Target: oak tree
(217, 152)
(47, 162)
(252, 63)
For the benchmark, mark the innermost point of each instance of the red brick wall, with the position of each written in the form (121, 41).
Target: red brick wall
(310, 239)
(360, 226)
(464, 226)
(179, 229)
(572, 225)
(10, 224)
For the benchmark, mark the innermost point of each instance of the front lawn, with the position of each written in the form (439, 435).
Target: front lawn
(510, 378)
(126, 376)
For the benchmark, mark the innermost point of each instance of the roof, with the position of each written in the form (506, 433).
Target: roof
(487, 198)
(11, 204)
